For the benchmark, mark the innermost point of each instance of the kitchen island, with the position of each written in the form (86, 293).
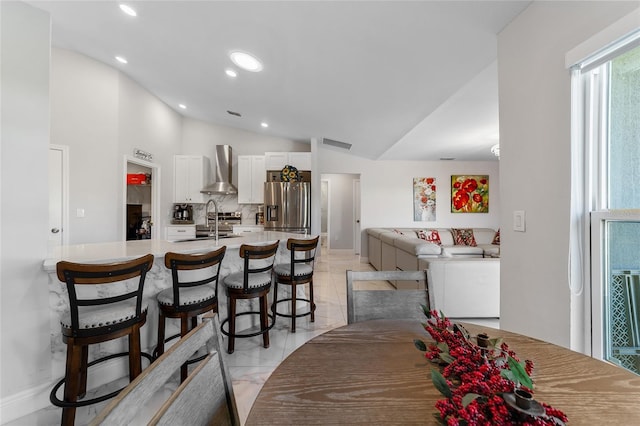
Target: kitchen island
(157, 279)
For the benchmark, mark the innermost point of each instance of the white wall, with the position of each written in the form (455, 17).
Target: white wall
(25, 352)
(84, 116)
(387, 190)
(149, 124)
(534, 88)
(102, 115)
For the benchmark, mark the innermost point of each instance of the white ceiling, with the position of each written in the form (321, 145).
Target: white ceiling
(412, 80)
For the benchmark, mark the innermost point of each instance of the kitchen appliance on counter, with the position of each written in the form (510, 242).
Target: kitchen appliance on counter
(182, 214)
(287, 205)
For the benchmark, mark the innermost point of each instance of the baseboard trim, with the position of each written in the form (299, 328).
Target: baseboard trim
(37, 398)
(22, 403)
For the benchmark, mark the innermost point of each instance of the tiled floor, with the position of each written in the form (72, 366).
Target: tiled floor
(251, 364)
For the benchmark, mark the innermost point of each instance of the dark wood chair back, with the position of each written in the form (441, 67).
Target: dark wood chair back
(257, 259)
(178, 262)
(302, 251)
(83, 274)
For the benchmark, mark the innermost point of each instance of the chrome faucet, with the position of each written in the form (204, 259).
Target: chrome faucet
(215, 209)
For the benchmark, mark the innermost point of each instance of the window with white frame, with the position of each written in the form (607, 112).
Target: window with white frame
(606, 170)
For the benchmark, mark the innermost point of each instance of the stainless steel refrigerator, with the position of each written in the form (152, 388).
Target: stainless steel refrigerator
(287, 206)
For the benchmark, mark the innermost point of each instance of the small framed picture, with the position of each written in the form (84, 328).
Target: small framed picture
(424, 199)
(469, 194)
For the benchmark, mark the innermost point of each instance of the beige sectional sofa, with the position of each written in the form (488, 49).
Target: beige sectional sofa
(391, 248)
(464, 281)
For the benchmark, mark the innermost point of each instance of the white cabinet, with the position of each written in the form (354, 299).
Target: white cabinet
(181, 232)
(190, 174)
(277, 160)
(251, 178)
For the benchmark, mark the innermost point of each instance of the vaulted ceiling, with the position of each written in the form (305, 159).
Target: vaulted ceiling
(413, 80)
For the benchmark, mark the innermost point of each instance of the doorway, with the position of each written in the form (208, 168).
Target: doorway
(341, 210)
(141, 207)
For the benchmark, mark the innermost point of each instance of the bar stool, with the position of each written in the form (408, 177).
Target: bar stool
(254, 281)
(298, 271)
(94, 319)
(194, 292)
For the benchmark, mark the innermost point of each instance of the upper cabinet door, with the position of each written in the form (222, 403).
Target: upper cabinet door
(189, 177)
(276, 160)
(251, 178)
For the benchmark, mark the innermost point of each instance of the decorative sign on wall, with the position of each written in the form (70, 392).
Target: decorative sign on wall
(469, 194)
(143, 155)
(424, 199)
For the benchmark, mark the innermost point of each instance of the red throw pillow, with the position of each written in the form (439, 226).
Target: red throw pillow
(463, 237)
(430, 235)
(496, 238)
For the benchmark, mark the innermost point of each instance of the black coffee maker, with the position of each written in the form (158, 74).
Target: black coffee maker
(182, 213)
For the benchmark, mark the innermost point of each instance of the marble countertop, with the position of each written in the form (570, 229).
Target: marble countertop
(124, 250)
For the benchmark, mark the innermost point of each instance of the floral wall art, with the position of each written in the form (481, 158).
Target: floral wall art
(424, 199)
(469, 194)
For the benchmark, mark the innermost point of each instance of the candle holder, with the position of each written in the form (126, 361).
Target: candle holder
(483, 340)
(523, 399)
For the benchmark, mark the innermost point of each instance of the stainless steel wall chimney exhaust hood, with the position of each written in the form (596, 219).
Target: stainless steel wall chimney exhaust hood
(222, 184)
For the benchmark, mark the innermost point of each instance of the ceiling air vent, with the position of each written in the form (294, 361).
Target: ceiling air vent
(237, 114)
(337, 144)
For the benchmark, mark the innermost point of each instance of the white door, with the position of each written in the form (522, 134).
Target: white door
(58, 156)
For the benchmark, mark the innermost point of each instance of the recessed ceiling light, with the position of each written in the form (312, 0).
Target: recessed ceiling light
(231, 73)
(246, 61)
(265, 125)
(183, 106)
(128, 10)
(121, 59)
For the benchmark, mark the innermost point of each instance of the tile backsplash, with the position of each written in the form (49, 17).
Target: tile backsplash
(228, 203)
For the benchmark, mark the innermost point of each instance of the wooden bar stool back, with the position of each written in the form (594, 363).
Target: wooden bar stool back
(105, 303)
(194, 292)
(254, 281)
(298, 271)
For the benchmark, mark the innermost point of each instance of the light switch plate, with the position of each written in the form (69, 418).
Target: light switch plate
(518, 221)
(79, 212)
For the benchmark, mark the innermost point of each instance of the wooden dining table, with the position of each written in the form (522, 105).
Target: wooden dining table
(371, 373)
